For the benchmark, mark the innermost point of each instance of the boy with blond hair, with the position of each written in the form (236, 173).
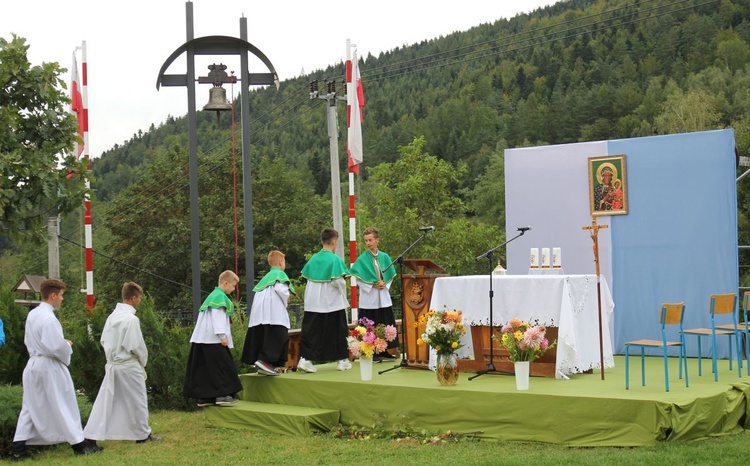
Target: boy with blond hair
(211, 376)
(267, 340)
(49, 411)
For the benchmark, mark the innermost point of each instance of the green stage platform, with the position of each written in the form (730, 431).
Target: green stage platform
(582, 411)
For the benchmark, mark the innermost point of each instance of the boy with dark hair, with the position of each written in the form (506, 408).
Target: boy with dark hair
(324, 326)
(49, 412)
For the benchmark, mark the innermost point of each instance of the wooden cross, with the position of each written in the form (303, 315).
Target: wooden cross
(594, 230)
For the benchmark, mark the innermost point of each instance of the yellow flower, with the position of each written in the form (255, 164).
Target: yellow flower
(454, 345)
(420, 342)
(518, 335)
(438, 348)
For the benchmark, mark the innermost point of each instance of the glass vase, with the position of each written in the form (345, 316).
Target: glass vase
(447, 369)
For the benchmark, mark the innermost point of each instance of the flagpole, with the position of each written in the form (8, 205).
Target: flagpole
(80, 106)
(86, 152)
(352, 168)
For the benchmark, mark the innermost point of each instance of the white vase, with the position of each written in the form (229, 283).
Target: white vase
(522, 375)
(365, 368)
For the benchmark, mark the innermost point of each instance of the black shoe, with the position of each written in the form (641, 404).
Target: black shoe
(388, 355)
(203, 402)
(151, 438)
(376, 359)
(86, 447)
(19, 452)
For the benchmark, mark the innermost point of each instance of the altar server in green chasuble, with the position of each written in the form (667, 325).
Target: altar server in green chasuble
(375, 273)
(267, 340)
(324, 326)
(211, 376)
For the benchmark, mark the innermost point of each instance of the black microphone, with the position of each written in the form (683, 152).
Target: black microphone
(430, 228)
(524, 229)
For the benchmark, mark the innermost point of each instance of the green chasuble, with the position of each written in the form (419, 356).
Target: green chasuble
(218, 299)
(364, 268)
(324, 266)
(273, 276)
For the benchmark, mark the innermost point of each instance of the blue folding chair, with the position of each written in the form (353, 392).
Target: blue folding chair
(671, 314)
(726, 305)
(743, 328)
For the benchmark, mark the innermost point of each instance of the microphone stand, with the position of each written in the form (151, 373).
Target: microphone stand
(400, 261)
(490, 260)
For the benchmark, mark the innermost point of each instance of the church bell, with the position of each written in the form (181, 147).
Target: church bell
(217, 100)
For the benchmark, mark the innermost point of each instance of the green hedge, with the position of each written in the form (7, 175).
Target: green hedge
(168, 346)
(11, 397)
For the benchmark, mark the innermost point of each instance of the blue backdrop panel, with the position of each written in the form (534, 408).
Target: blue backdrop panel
(679, 240)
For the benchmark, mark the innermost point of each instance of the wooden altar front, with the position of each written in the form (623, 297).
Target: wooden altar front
(480, 337)
(417, 291)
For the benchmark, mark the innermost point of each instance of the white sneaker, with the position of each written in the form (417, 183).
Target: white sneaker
(306, 366)
(344, 365)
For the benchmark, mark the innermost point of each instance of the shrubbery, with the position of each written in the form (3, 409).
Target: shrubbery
(168, 346)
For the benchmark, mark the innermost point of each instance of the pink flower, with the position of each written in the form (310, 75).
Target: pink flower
(380, 345)
(369, 337)
(390, 333)
(533, 337)
(545, 345)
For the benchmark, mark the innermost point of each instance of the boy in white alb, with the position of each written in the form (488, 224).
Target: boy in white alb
(49, 412)
(120, 411)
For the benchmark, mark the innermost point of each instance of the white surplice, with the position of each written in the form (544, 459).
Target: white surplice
(120, 411)
(269, 306)
(324, 297)
(49, 413)
(210, 324)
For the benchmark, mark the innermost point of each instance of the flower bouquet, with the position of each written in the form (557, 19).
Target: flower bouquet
(443, 331)
(523, 341)
(367, 339)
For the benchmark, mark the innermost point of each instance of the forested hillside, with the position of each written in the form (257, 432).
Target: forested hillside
(438, 116)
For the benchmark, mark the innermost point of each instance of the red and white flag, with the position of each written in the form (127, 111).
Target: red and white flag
(355, 100)
(76, 102)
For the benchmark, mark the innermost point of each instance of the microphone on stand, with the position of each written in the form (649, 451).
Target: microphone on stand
(430, 228)
(523, 229)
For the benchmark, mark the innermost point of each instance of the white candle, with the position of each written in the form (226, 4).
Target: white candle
(556, 257)
(545, 257)
(534, 258)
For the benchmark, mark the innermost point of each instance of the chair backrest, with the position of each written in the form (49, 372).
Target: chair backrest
(672, 313)
(723, 303)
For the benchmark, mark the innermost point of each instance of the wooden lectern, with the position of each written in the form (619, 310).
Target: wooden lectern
(417, 293)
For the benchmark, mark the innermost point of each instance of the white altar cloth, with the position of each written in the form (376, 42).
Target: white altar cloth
(565, 301)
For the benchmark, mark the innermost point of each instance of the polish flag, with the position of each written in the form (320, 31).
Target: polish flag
(355, 102)
(76, 102)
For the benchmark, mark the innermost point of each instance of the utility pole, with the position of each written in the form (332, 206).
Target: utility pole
(53, 249)
(333, 139)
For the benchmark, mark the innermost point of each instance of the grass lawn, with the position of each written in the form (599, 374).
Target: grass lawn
(189, 440)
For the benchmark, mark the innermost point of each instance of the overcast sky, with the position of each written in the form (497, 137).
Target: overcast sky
(128, 41)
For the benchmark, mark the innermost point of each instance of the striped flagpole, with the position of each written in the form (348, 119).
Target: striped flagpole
(352, 169)
(86, 152)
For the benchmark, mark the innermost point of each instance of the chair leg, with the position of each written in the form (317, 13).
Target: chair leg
(643, 366)
(700, 362)
(684, 359)
(666, 368)
(627, 367)
(739, 353)
(714, 364)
